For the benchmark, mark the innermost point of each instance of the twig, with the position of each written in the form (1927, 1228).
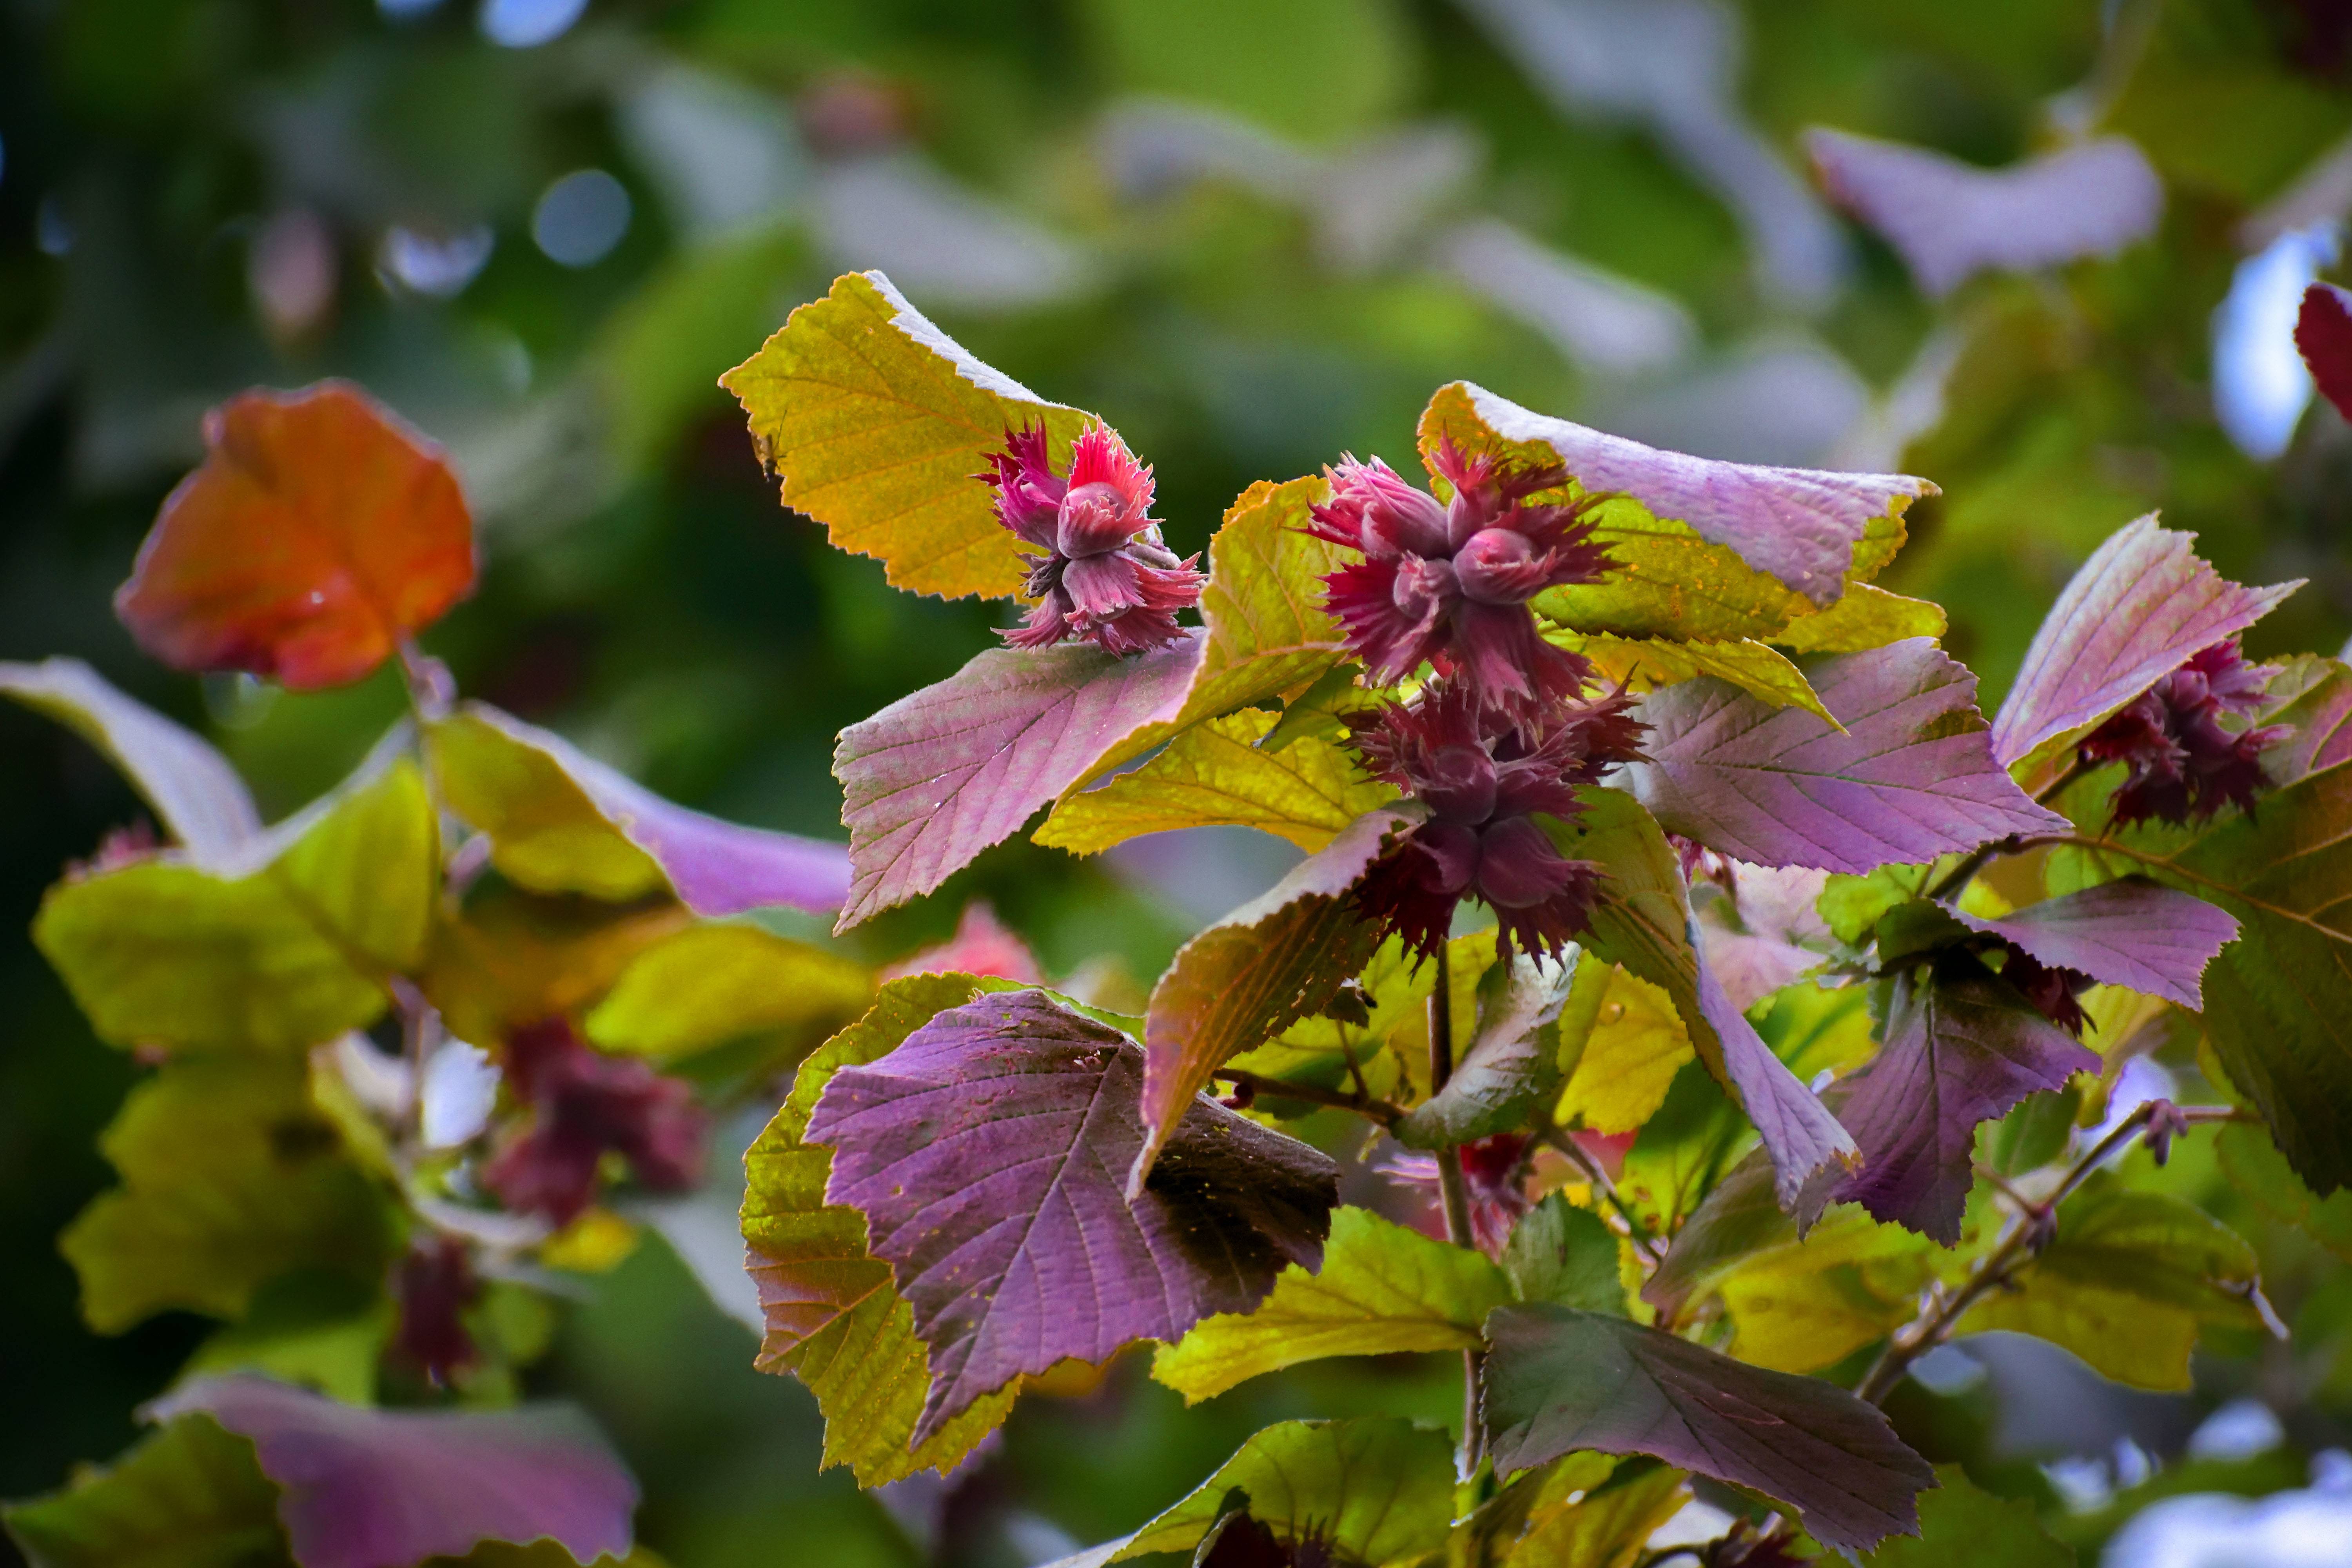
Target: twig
(1958, 877)
(2063, 781)
(1455, 1196)
(2028, 1233)
(1651, 1250)
(1363, 1105)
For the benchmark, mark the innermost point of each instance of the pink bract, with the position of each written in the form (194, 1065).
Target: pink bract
(1102, 573)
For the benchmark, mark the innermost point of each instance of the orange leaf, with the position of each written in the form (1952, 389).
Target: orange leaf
(320, 531)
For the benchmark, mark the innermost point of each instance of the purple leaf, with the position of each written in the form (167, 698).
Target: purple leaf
(1558, 1380)
(388, 1489)
(1959, 1049)
(2323, 330)
(196, 794)
(942, 774)
(716, 868)
(1801, 525)
(2131, 932)
(2139, 607)
(1643, 920)
(1947, 219)
(1277, 959)
(988, 1154)
(1910, 778)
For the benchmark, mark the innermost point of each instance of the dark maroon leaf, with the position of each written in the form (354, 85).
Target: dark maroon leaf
(1558, 1380)
(2139, 607)
(2323, 330)
(2131, 933)
(388, 1489)
(989, 1154)
(1912, 776)
(1961, 1048)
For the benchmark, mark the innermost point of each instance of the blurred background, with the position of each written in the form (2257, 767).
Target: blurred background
(1252, 234)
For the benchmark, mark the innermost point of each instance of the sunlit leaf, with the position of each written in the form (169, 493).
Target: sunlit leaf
(712, 984)
(1277, 959)
(1380, 1289)
(879, 425)
(834, 1318)
(1390, 1048)
(362, 1489)
(1865, 617)
(559, 821)
(988, 1154)
(1949, 219)
(1631, 1053)
(1644, 664)
(320, 531)
(1644, 921)
(944, 773)
(1912, 776)
(2137, 608)
(2127, 1283)
(1961, 1048)
(1962, 1526)
(1561, 1380)
(2129, 932)
(1699, 545)
(289, 945)
(197, 796)
(231, 1177)
(1216, 772)
(1375, 1491)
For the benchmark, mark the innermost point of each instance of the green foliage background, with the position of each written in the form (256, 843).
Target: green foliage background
(643, 592)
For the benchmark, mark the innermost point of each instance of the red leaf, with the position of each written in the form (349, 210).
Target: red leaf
(320, 531)
(2323, 330)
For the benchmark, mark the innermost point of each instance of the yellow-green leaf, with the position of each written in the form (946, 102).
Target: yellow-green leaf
(189, 1495)
(1216, 772)
(510, 957)
(1381, 1289)
(878, 423)
(712, 984)
(231, 1177)
(1636, 1044)
(2128, 1283)
(1645, 664)
(288, 947)
(1266, 634)
(545, 834)
(1865, 617)
(1962, 1526)
(1376, 1491)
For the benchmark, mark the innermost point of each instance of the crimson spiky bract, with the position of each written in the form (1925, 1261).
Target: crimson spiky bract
(1484, 782)
(1448, 584)
(1100, 571)
(2186, 742)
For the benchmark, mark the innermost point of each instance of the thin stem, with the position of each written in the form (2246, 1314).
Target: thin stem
(1455, 1196)
(1651, 1250)
(1363, 1105)
(2028, 1234)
